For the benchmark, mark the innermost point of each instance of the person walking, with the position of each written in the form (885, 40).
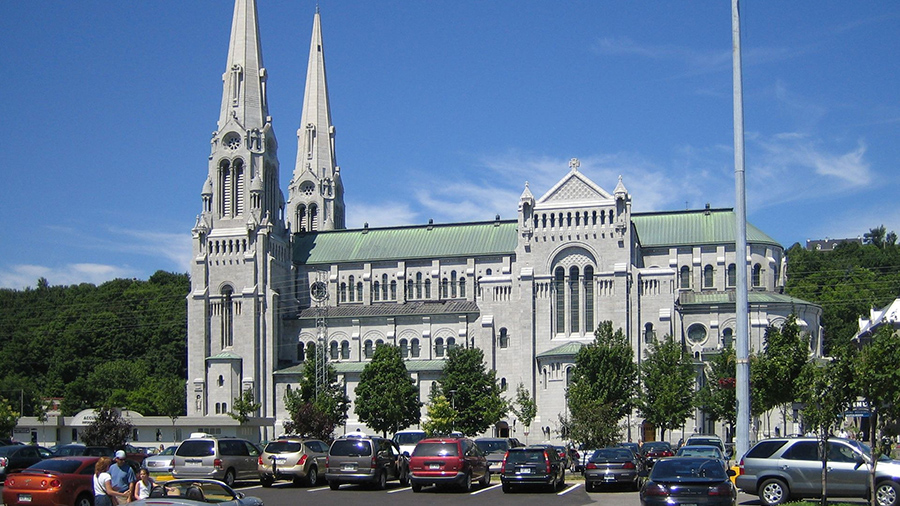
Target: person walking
(104, 494)
(123, 478)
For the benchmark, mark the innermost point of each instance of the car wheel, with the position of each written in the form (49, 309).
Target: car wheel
(266, 481)
(312, 476)
(381, 482)
(773, 492)
(229, 477)
(416, 487)
(84, 500)
(887, 493)
(467, 482)
(334, 485)
(486, 478)
(507, 488)
(588, 486)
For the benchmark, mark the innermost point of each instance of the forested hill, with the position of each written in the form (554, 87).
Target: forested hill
(122, 343)
(846, 282)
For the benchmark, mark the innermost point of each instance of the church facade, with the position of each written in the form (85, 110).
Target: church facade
(273, 278)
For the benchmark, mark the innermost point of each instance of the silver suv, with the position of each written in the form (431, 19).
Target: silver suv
(225, 459)
(292, 458)
(782, 469)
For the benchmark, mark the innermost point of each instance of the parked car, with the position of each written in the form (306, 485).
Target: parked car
(706, 440)
(196, 493)
(14, 458)
(585, 456)
(72, 450)
(210, 457)
(162, 461)
(688, 481)
(53, 482)
(533, 465)
(364, 459)
(448, 461)
(407, 439)
(634, 447)
(612, 466)
(292, 458)
(655, 450)
(781, 469)
(494, 449)
(706, 451)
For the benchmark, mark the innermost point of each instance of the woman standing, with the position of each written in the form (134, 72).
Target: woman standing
(104, 495)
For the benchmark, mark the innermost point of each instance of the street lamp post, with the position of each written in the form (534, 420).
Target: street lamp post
(453, 406)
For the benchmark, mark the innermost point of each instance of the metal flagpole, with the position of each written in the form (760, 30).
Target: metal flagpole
(742, 350)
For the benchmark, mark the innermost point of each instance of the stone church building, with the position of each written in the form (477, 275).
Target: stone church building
(271, 276)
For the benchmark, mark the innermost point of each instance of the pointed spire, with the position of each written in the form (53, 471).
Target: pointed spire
(315, 138)
(244, 80)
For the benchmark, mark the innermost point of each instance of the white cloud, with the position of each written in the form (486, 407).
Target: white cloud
(176, 248)
(378, 215)
(25, 275)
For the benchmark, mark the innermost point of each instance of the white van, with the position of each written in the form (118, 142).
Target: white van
(407, 439)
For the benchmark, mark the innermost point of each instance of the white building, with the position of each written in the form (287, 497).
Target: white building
(529, 291)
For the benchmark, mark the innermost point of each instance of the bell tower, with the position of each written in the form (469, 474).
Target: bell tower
(241, 248)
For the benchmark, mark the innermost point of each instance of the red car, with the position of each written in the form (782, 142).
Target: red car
(60, 481)
(448, 461)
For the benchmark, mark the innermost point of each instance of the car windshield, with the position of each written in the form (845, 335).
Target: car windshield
(608, 454)
(283, 447)
(436, 450)
(65, 466)
(688, 469)
(699, 451)
(168, 451)
(350, 448)
(409, 438)
(203, 448)
(489, 446)
(657, 447)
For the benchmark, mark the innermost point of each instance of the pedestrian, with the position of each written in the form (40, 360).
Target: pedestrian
(104, 494)
(123, 478)
(144, 485)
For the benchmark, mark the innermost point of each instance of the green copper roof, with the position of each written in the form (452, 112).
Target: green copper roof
(406, 243)
(357, 367)
(676, 228)
(566, 350)
(728, 297)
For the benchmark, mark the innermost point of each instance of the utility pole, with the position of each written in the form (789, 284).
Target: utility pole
(742, 309)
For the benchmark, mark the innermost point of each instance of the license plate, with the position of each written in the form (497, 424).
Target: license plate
(193, 463)
(611, 478)
(348, 467)
(434, 466)
(24, 497)
(524, 470)
(280, 460)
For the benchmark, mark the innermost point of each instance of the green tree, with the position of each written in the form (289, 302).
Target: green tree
(387, 398)
(877, 382)
(316, 410)
(440, 417)
(668, 377)
(603, 388)
(786, 352)
(717, 396)
(8, 419)
(243, 407)
(524, 408)
(107, 429)
(472, 390)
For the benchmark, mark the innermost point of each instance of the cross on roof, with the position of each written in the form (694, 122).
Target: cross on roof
(574, 164)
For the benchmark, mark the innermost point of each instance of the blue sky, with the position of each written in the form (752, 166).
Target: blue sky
(443, 110)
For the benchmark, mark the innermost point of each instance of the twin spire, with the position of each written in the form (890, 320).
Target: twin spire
(244, 80)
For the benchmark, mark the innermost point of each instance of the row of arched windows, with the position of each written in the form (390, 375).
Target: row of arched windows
(221, 408)
(307, 218)
(341, 351)
(574, 296)
(416, 289)
(709, 282)
(578, 219)
(231, 184)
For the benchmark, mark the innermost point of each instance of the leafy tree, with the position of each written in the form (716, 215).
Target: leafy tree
(603, 388)
(877, 382)
(668, 378)
(107, 429)
(472, 390)
(8, 419)
(316, 411)
(243, 407)
(786, 354)
(524, 407)
(440, 417)
(717, 396)
(386, 396)
(170, 397)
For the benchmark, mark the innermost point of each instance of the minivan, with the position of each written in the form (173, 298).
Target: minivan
(364, 459)
(219, 458)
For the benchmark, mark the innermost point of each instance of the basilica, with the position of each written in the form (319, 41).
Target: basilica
(273, 278)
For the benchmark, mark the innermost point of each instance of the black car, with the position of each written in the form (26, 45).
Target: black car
(533, 465)
(688, 480)
(14, 458)
(612, 466)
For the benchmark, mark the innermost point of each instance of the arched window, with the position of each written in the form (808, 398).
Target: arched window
(727, 338)
(404, 348)
(378, 343)
(301, 354)
(367, 349)
(384, 286)
(569, 376)
(451, 343)
(560, 286)
(393, 290)
(409, 289)
(313, 217)
(343, 292)
(439, 347)
(345, 350)
(375, 291)
(218, 407)
(732, 275)
(504, 338)
(221, 381)
(462, 286)
(418, 285)
(359, 291)
(685, 277)
(414, 348)
(352, 293)
(227, 317)
(334, 350)
(503, 384)
(428, 288)
(310, 350)
(649, 334)
(574, 307)
(588, 299)
(224, 407)
(445, 292)
(708, 278)
(453, 284)
(757, 275)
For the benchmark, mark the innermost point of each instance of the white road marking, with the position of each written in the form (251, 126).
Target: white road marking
(571, 488)
(318, 489)
(399, 490)
(485, 489)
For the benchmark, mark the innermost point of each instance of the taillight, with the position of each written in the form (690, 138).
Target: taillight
(374, 462)
(9, 481)
(326, 462)
(590, 465)
(720, 489)
(741, 467)
(503, 466)
(260, 461)
(217, 464)
(667, 453)
(302, 460)
(547, 461)
(628, 465)
(53, 483)
(655, 489)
